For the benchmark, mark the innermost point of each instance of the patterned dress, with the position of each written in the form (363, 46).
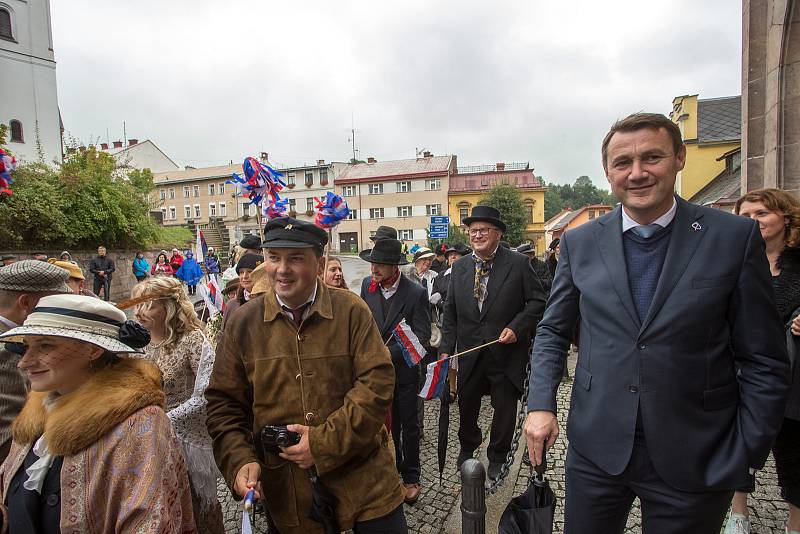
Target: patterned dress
(186, 371)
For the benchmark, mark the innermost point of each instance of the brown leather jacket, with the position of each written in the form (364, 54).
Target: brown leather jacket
(335, 375)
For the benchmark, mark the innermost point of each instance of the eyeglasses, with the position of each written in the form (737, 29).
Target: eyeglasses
(475, 232)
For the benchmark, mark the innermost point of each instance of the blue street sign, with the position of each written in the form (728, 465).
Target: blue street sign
(440, 220)
(438, 235)
(439, 228)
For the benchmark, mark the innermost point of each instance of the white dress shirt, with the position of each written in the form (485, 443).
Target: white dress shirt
(663, 221)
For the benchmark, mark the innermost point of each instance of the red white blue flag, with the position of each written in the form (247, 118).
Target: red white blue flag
(212, 295)
(435, 379)
(201, 247)
(413, 351)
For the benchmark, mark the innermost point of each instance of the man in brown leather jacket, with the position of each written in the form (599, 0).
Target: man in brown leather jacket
(308, 356)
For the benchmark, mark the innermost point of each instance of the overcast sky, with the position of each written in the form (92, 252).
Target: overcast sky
(524, 80)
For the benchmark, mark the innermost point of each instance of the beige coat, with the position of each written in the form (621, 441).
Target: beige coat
(334, 375)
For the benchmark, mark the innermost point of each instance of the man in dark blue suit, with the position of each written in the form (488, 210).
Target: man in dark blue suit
(682, 372)
(392, 297)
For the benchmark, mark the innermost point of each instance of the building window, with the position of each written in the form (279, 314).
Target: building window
(375, 189)
(222, 209)
(353, 215)
(212, 209)
(171, 193)
(173, 213)
(433, 209)
(196, 191)
(349, 191)
(185, 191)
(591, 215)
(403, 187)
(290, 179)
(376, 213)
(221, 188)
(310, 204)
(309, 178)
(323, 176)
(16, 131)
(5, 24)
(163, 214)
(405, 235)
(463, 213)
(211, 189)
(529, 212)
(197, 211)
(433, 184)
(404, 211)
(187, 212)
(293, 204)
(162, 193)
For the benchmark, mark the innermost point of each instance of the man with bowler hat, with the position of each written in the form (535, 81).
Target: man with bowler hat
(22, 284)
(392, 297)
(494, 295)
(309, 357)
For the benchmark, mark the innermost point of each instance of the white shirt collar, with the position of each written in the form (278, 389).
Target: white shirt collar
(309, 301)
(663, 221)
(8, 322)
(494, 253)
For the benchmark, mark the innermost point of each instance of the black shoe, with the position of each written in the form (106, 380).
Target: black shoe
(463, 456)
(526, 458)
(494, 470)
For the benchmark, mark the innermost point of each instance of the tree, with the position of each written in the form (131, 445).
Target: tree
(581, 193)
(508, 201)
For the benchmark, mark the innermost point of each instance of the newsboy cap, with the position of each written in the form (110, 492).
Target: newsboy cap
(250, 241)
(34, 276)
(287, 232)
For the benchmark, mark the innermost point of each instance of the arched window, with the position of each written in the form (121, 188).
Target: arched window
(16, 131)
(5, 24)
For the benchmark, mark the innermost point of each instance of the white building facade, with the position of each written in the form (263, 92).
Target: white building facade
(28, 92)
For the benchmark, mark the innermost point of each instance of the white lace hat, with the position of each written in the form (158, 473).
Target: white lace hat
(83, 318)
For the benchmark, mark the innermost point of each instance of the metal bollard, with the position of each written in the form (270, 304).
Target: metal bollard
(473, 497)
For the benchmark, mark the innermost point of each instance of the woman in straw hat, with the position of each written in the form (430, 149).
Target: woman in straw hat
(181, 350)
(93, 450)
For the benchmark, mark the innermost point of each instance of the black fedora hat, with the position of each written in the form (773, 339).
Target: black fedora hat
(384, 232)
(485, 214)
(458, 249)
(386, 251)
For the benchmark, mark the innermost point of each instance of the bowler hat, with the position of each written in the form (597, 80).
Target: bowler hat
(458, 249)
(386, 251)
(485, 214)
(384, 232)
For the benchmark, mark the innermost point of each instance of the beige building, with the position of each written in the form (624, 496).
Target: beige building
(403, 194)
(140, 155)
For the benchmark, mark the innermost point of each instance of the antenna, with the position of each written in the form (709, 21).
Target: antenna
(352, 138)
(124, 134)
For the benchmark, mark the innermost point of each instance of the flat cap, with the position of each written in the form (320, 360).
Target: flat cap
(286, 232)
(34, 276)
(250, 241)
(73, 268)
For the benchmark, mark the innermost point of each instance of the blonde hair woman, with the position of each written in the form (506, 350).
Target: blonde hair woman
(179, 348)
(92, 449)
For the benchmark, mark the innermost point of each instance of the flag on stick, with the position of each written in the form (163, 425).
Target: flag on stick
(413, 351)
(435, 379)
(201, 247)
(212, 295)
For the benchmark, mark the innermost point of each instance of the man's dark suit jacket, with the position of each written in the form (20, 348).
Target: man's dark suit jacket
(713, 313)
(515, 299)
(410, 301)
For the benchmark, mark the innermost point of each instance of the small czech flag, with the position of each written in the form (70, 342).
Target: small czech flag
(413, 351)
(435, 379)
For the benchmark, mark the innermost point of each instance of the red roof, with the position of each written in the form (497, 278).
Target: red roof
(482, 181)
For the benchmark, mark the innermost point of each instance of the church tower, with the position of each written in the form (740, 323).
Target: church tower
(28, 94)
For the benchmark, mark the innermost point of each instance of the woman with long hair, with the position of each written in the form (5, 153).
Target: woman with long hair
(179, 348)
(778, 216)
(92, 449)
(334, 274)
(162, 267)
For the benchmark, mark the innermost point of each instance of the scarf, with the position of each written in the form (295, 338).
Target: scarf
(389, 282)
(482, 269)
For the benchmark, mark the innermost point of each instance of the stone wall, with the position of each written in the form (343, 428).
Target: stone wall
(122, 281)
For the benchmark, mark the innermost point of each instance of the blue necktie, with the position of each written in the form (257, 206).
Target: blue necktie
(646, 231)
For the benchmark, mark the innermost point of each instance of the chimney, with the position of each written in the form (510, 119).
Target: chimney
(320, 162)
(427, 154)
(371, 160)
(132, 142)
(501, 166)
(264, 158)
(104, 146)
(117, 144)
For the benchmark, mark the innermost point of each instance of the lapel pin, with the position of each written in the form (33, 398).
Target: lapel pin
(696, 226)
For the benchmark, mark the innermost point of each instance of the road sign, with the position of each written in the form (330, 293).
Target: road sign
(439, 228)
(438, 235)
(440, 219)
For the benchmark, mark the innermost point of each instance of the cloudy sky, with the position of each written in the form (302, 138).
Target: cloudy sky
(535, 80)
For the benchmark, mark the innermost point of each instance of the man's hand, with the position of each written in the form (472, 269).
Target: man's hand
(507, 336)
(101, 273)
(300, 453)
(796, 326)
(541, 429)
(246, 478)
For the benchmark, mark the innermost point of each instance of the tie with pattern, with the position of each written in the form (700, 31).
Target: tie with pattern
(646, 231)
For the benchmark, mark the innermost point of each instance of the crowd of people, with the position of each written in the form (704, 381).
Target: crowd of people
(684, 319)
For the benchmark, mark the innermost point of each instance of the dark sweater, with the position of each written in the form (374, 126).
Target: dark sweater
(787, 296)
(644, 259)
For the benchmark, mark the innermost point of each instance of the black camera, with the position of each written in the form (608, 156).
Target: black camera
(275, 437)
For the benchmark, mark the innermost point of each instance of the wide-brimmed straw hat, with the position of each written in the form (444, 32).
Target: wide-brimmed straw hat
(83, 318)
